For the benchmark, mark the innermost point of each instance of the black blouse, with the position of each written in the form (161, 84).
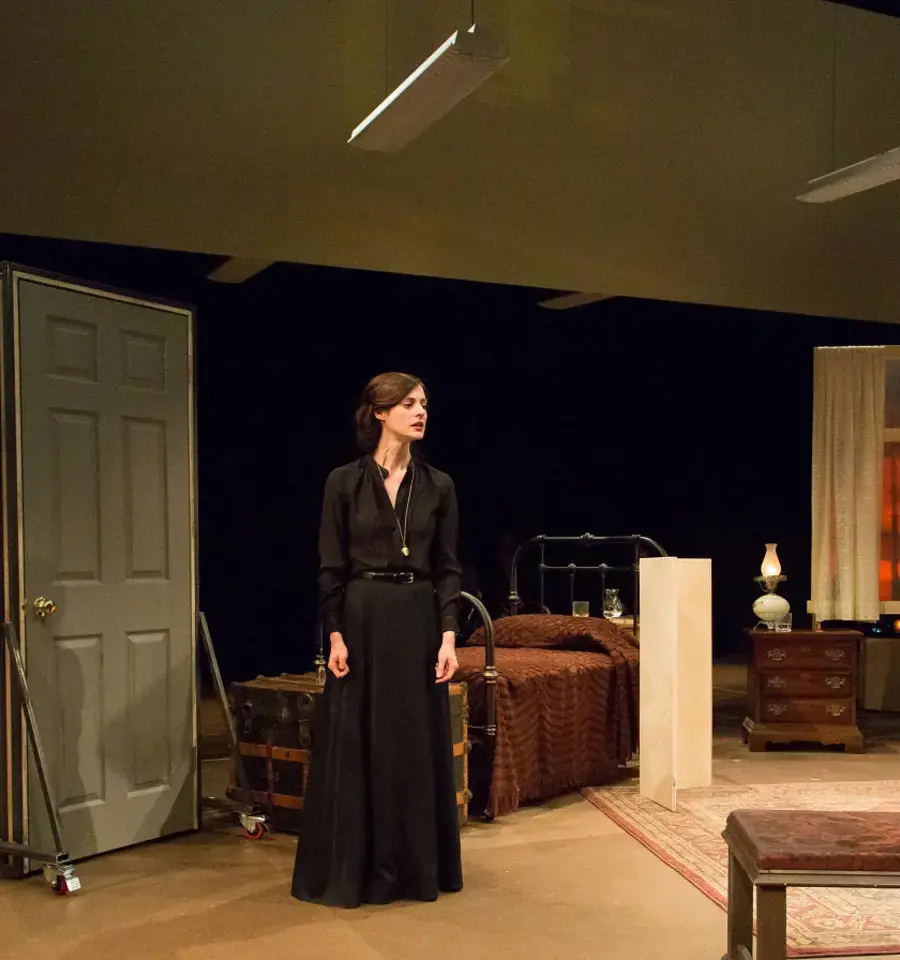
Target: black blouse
(359, 532)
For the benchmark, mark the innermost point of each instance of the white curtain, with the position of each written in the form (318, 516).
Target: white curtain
(847, 456)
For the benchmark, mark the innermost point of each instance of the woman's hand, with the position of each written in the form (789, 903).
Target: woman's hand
(337, 661)
(447, 664)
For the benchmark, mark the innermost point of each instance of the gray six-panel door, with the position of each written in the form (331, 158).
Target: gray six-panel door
(107, 569)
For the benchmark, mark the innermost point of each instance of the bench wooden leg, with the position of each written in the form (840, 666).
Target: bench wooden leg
(771, 923)
(740, 909)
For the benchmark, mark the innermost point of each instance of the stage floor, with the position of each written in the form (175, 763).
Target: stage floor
(556, 882)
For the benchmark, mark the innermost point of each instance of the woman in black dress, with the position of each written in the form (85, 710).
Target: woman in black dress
(380, 818)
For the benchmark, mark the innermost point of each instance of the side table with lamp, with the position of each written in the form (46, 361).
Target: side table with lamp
(802, 684)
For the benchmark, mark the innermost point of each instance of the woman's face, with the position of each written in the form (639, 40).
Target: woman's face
(407, 420)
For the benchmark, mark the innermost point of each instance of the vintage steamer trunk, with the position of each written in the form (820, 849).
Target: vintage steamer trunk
(273, 717)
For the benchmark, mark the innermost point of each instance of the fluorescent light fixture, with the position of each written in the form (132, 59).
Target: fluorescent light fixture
(237, 270)
(874, 172)
(459, 65)
(568, 300)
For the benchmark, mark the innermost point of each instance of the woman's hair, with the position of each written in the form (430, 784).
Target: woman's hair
(381, 393)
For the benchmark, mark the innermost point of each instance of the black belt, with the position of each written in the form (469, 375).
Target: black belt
(389, 575)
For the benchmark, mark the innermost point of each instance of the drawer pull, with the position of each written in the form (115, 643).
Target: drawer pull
(835, 654)
(776, 709)
(835, 682)
(835, 709)
(776, 654)
(777, 682)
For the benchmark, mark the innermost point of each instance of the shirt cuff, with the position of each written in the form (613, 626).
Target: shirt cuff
(449, 622)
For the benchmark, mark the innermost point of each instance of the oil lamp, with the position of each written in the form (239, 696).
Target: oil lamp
(770, 607)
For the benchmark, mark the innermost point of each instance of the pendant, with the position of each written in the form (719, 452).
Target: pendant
(405, 551)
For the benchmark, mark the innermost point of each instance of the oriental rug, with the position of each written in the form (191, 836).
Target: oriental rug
(821, 922)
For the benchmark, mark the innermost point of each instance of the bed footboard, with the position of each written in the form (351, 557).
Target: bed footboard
(488, 731)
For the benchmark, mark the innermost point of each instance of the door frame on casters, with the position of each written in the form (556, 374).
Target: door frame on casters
(13, 714)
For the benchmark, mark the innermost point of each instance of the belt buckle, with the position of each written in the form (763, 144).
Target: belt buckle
(407, 577)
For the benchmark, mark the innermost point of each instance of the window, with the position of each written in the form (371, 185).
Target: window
(889, 571)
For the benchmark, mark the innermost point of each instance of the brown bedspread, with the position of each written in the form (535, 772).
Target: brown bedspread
(567, 704)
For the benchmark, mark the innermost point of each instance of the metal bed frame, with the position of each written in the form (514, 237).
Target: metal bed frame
(489, 729)
(603, 569)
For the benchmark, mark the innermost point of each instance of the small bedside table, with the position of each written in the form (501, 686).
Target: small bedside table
(802, 688)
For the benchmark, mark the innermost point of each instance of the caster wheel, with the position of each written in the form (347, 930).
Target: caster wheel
(256, 832)
(60, 887)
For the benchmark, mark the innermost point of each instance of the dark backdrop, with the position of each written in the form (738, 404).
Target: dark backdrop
(688, 424)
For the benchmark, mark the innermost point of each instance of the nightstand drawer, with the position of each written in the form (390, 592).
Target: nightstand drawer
(785, 651)
(775, 710)
(805, 683)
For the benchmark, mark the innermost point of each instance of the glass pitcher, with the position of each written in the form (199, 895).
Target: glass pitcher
(612, 604)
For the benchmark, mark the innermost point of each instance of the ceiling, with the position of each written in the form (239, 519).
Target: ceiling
(889, 7)
(646, 148)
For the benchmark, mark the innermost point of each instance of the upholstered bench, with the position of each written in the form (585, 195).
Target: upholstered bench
(771, 850)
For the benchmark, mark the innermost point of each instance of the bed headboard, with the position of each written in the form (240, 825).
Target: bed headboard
(603, 570)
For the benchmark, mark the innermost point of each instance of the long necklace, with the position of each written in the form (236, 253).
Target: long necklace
(404, 549)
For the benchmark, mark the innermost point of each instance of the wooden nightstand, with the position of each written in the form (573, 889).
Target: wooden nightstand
(802, 688)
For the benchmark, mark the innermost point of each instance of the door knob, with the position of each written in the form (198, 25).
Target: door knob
(44, 608)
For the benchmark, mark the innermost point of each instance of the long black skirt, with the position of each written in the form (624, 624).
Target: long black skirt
(379, 820)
